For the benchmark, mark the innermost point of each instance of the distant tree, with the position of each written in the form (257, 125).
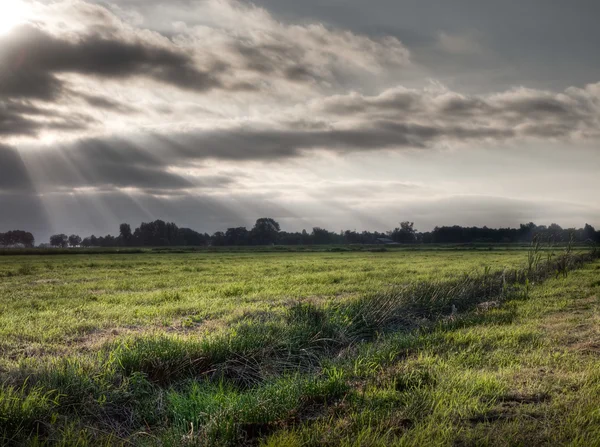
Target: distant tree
(426, 237)
(125, 234)
(237, 236)
(74, 240)
(352, 237)
(589, 232)
(157, 233)
(17, 238)
(59, 240)
(305, 237)
(555, 228)
(527, 232)
(190, 237)
(265, 231)
(555, 232)
(218, 239)
(27, 239)
(109, 241)
(322, 236)
(406, 233)
(285, 238)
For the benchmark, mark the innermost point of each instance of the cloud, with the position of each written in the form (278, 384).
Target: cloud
(33, 58)
(517, 113)
(104, 103)
(22, 118)
(74, 58)
(460, 44)
(13, 118)
(397, 119)
(103, 165)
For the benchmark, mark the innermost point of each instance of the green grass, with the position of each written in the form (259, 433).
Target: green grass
(48, 303)
(523, 374)
(350, 348)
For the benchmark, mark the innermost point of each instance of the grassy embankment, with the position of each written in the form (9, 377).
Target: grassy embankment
(397, 355)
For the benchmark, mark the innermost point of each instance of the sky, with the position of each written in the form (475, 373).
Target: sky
(342, 114)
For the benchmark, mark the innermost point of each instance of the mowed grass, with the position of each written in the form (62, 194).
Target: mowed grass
(299, 349)
(48, 303)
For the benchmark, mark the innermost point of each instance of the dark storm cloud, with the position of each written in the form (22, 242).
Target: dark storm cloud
(32, 58)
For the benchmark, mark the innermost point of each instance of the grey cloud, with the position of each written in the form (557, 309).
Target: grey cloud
(102, 102)
(274, 144)
(91, 164)
(357, 191)
(267, 57)
(515, 113)
(465, 107)
(300, 74)
(20, 118)
(32, 58)
(32, 61)
(143, 162)
(432, 118)
(285, 61)
(12, 121)
(109, 48)
(100, 164)
(521, 37)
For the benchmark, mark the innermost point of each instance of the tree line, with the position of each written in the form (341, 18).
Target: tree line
(267, 231)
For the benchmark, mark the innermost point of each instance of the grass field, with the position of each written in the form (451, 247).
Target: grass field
(299, 348)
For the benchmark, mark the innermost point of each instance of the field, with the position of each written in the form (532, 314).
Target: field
(398, 347)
